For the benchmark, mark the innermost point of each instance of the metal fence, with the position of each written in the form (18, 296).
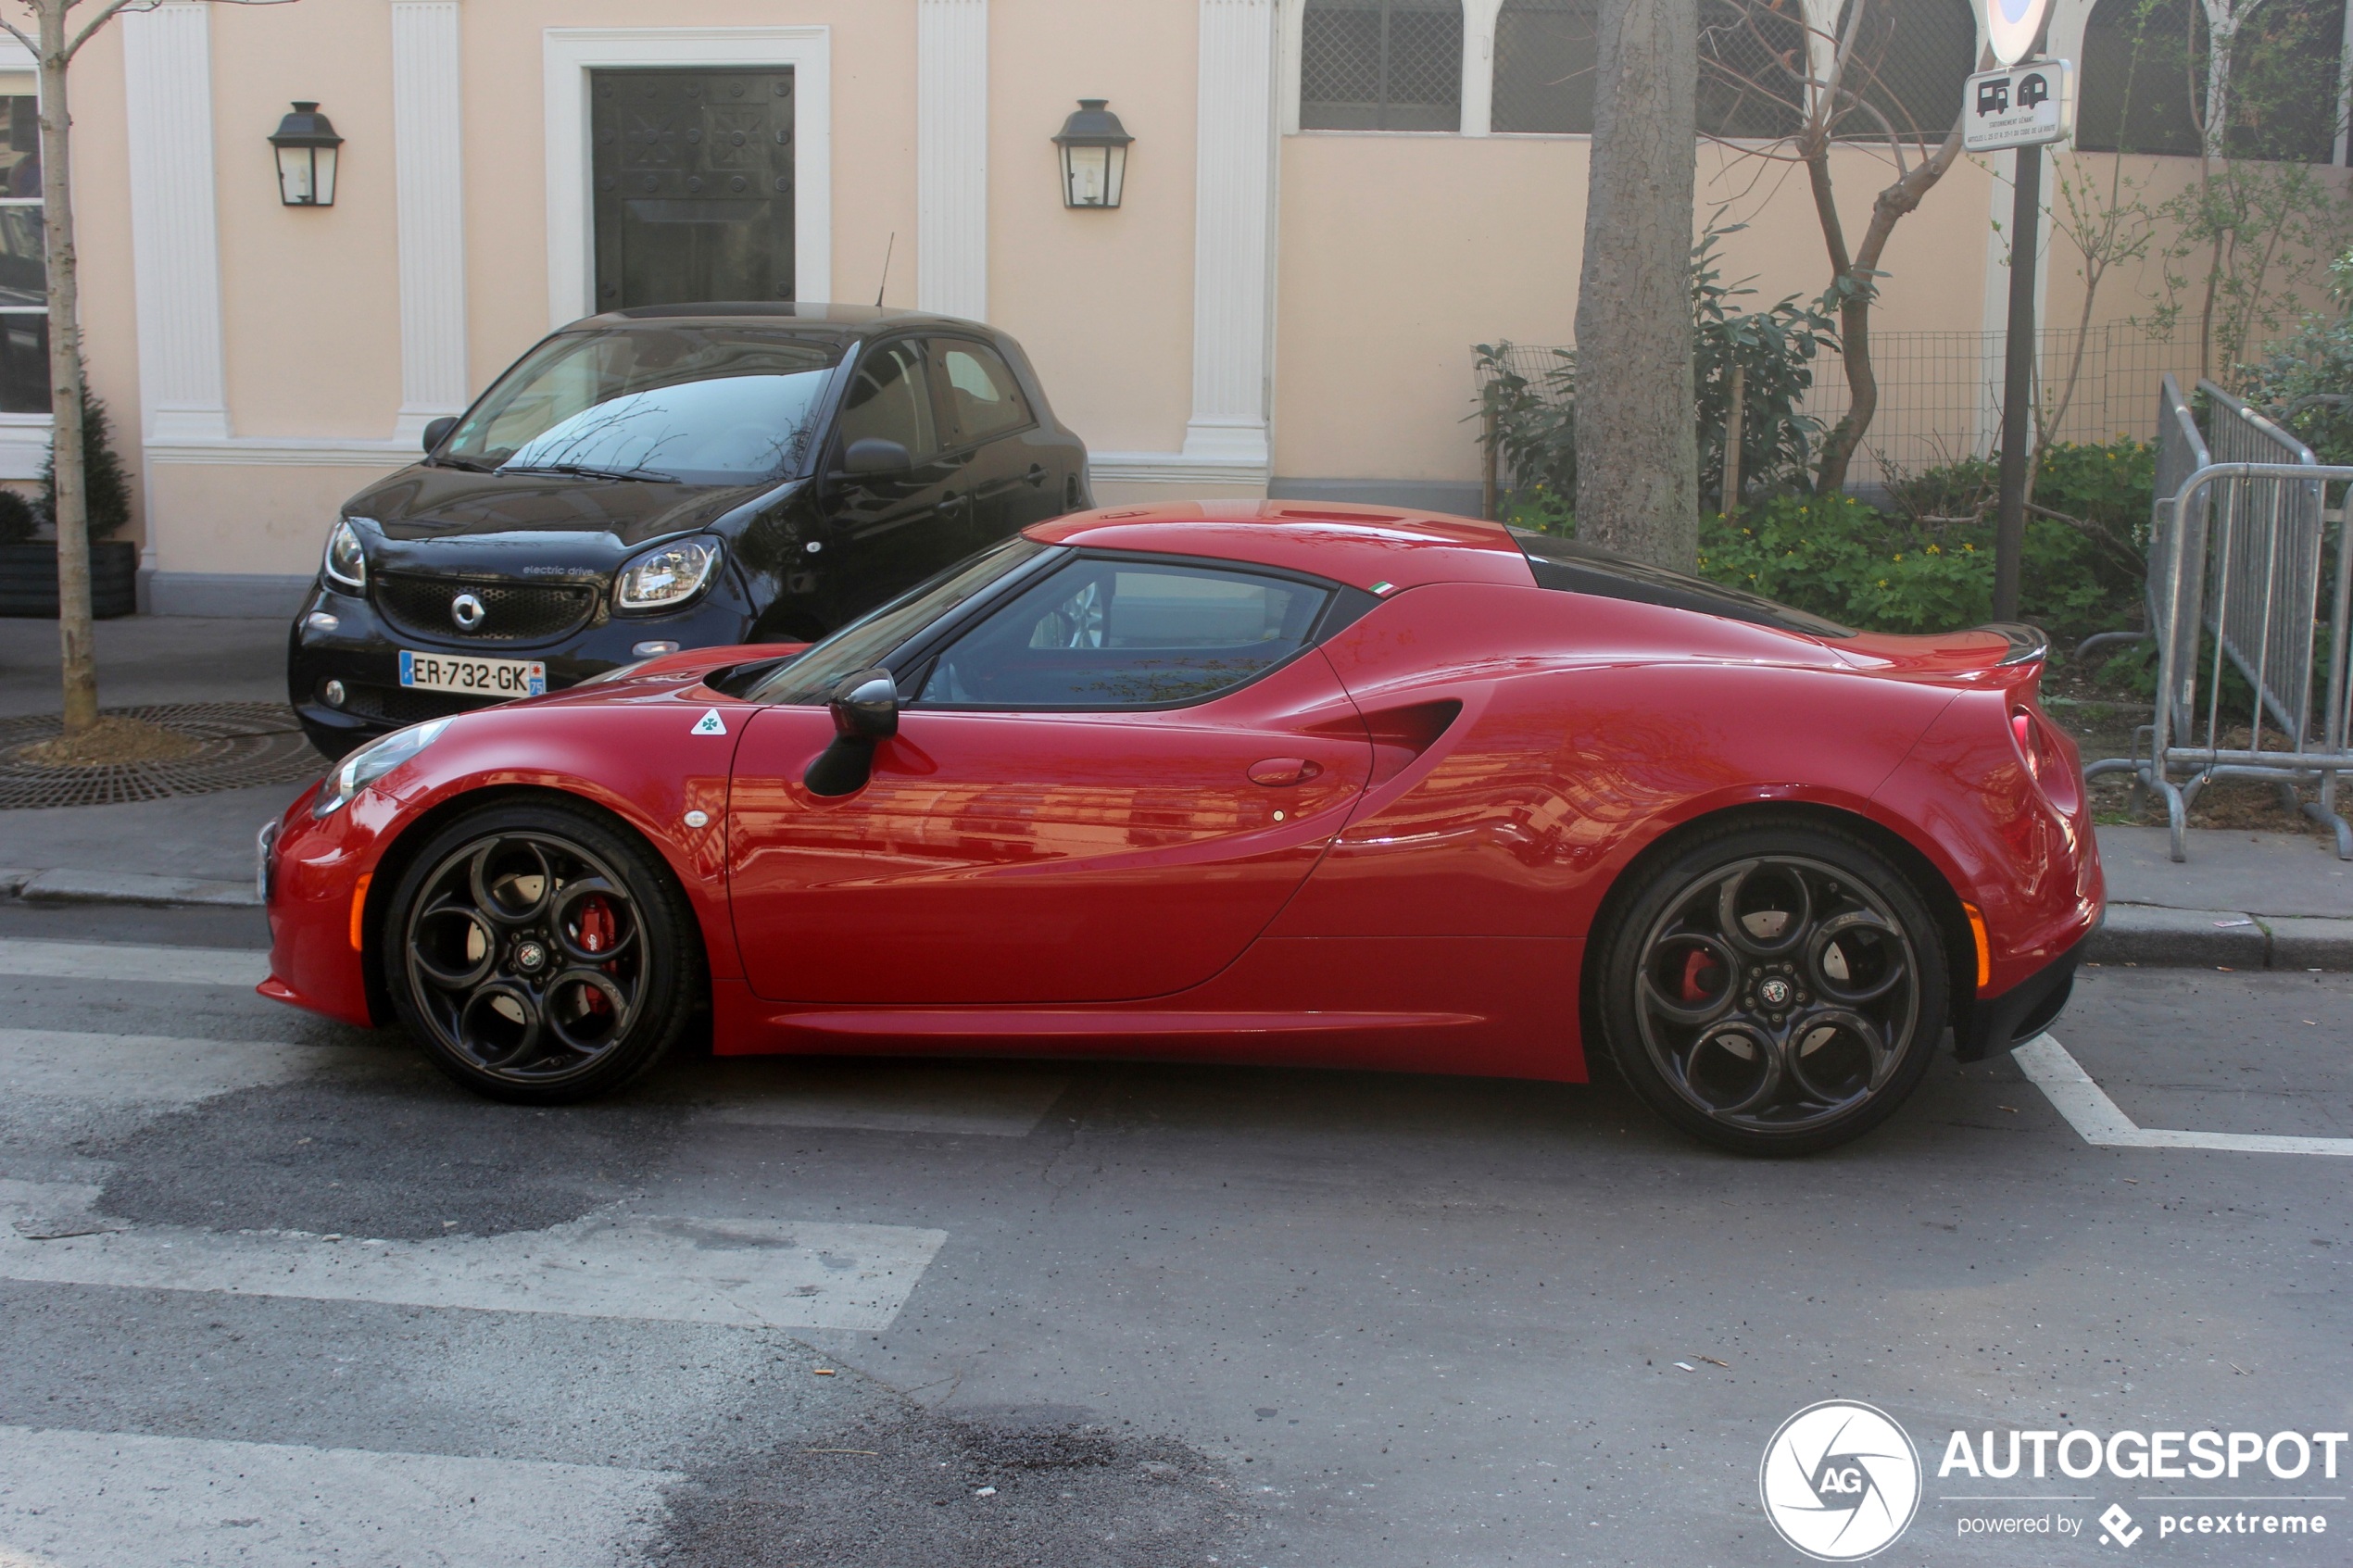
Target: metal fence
(2250, 591)
(1940, 392)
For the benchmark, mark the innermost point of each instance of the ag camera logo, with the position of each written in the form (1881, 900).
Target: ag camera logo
(1840, 1481)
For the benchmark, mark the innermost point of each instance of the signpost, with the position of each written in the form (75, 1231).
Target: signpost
(2027, 103)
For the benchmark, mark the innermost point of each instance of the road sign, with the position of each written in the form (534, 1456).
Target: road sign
(2011, 27)
(2021, 105)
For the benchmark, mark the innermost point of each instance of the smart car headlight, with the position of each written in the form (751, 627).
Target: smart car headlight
(372, 762)
(667, 576)
(346, 564)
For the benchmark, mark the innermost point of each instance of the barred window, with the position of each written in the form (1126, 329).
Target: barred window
(1544, 55)
(24, 272)
(1381, 65)
(1907, 66)
(2144, 82)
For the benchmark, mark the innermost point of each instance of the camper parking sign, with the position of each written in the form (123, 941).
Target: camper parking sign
(2023, 105)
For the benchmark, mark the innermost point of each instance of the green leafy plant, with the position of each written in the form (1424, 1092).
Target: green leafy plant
(17, 521)
(1772, 351)
(106, 481)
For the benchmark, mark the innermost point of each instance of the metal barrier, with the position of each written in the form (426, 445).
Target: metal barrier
(2240, 555)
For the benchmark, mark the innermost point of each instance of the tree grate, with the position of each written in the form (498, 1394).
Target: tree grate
(244, 744)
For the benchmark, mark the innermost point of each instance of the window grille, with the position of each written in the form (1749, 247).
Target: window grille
(1909, 64)
(1544, 53)
(2143, 86)
(1381, 65)
(1751, 65)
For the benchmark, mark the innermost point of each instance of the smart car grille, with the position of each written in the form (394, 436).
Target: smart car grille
(511, 612)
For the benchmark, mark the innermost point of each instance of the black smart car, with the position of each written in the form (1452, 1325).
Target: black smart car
(666, 477)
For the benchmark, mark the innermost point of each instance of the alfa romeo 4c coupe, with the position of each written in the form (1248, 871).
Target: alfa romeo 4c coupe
(1242, 783)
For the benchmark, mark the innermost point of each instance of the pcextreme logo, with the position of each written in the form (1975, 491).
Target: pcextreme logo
(1840, 1481)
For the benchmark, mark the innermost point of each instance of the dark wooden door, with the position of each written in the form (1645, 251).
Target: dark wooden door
(693, 175)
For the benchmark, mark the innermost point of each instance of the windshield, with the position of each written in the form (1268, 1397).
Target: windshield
(717, 405)
(861, 645)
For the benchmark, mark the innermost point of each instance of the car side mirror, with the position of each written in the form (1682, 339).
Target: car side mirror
(865, 711)
(875, 455)
(437, 431)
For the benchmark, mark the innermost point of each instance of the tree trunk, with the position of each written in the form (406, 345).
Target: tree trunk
(77, 646)
(1637, 433)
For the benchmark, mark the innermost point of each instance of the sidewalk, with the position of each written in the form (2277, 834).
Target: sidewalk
(2243, 901)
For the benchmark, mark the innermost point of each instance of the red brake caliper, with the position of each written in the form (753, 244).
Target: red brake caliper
(1697, 966)
(598, 929)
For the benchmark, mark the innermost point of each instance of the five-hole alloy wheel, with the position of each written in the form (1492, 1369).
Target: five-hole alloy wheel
(1774, 989)
(541, 955)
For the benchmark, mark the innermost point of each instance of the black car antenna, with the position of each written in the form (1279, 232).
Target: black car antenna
(888, 248)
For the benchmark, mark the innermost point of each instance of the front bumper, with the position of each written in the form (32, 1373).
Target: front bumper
(2001, 1024)
(363, 653)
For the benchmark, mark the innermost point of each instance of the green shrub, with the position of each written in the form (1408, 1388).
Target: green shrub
(17, 520)
(105, 481)
(1850, 562)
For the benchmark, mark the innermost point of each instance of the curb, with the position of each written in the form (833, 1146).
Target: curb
(2158, 936)
(69, 887)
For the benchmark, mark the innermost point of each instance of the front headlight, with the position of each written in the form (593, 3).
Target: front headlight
(668, 576)
(346, 564)
(372, 762)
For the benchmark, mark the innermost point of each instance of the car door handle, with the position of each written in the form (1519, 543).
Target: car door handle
(951, 504)
(1276, 772)
(1036, 474)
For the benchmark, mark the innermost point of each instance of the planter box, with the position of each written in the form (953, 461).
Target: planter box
(29, 580)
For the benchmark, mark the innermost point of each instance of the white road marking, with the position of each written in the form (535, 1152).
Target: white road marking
(2101, 1121)
(246, 967)
(888, 1097)
(142, 1068)
(756, 1274)
(93, 1499)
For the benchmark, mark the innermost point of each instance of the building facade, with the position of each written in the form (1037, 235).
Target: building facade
(1325, 204)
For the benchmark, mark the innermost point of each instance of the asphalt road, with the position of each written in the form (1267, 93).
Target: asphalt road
(271, 1292)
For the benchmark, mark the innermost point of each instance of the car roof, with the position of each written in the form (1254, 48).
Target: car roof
(841, 323)
(1376, 549)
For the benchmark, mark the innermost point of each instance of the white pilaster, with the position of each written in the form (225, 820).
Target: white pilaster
(429, 178)
(952, 157)
(2063, 40)
(175, 242)
(1479, 66)
(1233, 197)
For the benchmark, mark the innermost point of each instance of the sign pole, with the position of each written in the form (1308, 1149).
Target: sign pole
(2018, 383)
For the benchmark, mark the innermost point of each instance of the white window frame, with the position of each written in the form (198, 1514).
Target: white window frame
(25, 439)
(1478, 93)
(571, 52)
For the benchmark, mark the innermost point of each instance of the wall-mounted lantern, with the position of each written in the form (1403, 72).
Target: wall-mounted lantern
(306, 141)
(1094, 155)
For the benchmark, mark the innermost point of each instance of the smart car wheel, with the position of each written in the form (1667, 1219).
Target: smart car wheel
(541, 955)
(1774, 990)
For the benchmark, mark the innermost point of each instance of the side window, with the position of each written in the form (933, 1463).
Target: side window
(979, 400)
(1125, 634)
(889, 400)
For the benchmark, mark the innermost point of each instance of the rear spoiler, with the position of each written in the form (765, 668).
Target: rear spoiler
(2028, 644)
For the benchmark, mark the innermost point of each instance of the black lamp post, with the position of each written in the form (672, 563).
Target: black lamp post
(306, 141)
(1094, 155)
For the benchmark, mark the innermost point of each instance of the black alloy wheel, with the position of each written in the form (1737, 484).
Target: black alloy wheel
(1774, 990)
(540, 954)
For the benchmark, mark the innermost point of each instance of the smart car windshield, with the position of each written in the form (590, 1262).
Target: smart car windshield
(865, 642)
(699, 405)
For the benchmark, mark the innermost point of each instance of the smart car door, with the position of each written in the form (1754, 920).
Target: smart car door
(983, 416)
(887, 528)
(1105, 790)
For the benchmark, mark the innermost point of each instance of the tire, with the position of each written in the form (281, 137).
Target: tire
(541, 954)
(1773, 989)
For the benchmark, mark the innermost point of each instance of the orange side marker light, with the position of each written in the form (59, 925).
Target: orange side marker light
(1976, 929)
(360, 918)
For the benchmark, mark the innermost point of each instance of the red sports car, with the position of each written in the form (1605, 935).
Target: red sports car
(1244, 783)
